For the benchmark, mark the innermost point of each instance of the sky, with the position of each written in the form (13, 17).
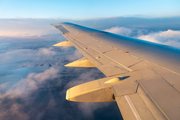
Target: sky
(33, 79)
(83, 9)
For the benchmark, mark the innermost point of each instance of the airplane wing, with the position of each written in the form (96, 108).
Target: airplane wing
(142, 77)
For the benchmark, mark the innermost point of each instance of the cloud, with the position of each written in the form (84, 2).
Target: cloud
(25, 54)
(85, 75)
(26, 100)
(3, 86)
(76, 55)
(19, 100)
(169, 37)
(11, 103)
(3, 45)
(120, 30)
(88, 108)
(46, 51)
(29, 84)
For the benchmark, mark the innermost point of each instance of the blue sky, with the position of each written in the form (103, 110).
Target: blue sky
(83, 9)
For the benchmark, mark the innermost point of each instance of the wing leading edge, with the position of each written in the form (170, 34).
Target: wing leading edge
(142, 77)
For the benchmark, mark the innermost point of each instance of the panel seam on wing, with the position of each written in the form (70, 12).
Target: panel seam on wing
(154, 101)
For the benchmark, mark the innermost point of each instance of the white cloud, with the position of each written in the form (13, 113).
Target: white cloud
(46, 51)
(76, 55)
(84, 77)
(3, 45)
(25, 86)
(169, 37)
(25, 54)
(120, 30)
(22, 90)
(88, 108)
(3, 86)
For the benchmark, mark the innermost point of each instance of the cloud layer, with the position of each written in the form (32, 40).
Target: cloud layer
(22, 91)
(25, 54)
(169, 37)
(42, 27)
(34, 82)
(24, 87)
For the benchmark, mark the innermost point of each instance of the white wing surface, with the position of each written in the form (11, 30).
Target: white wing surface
(142, 77)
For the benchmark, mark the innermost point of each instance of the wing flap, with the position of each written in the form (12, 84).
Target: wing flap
(174, 80)
(152, 99)
(122, 57)
(100, 47)
(153, 108)
(161, 93)
(124, 89)
(136, 108)
(85, 40)
(124, 107)
(111, 70)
